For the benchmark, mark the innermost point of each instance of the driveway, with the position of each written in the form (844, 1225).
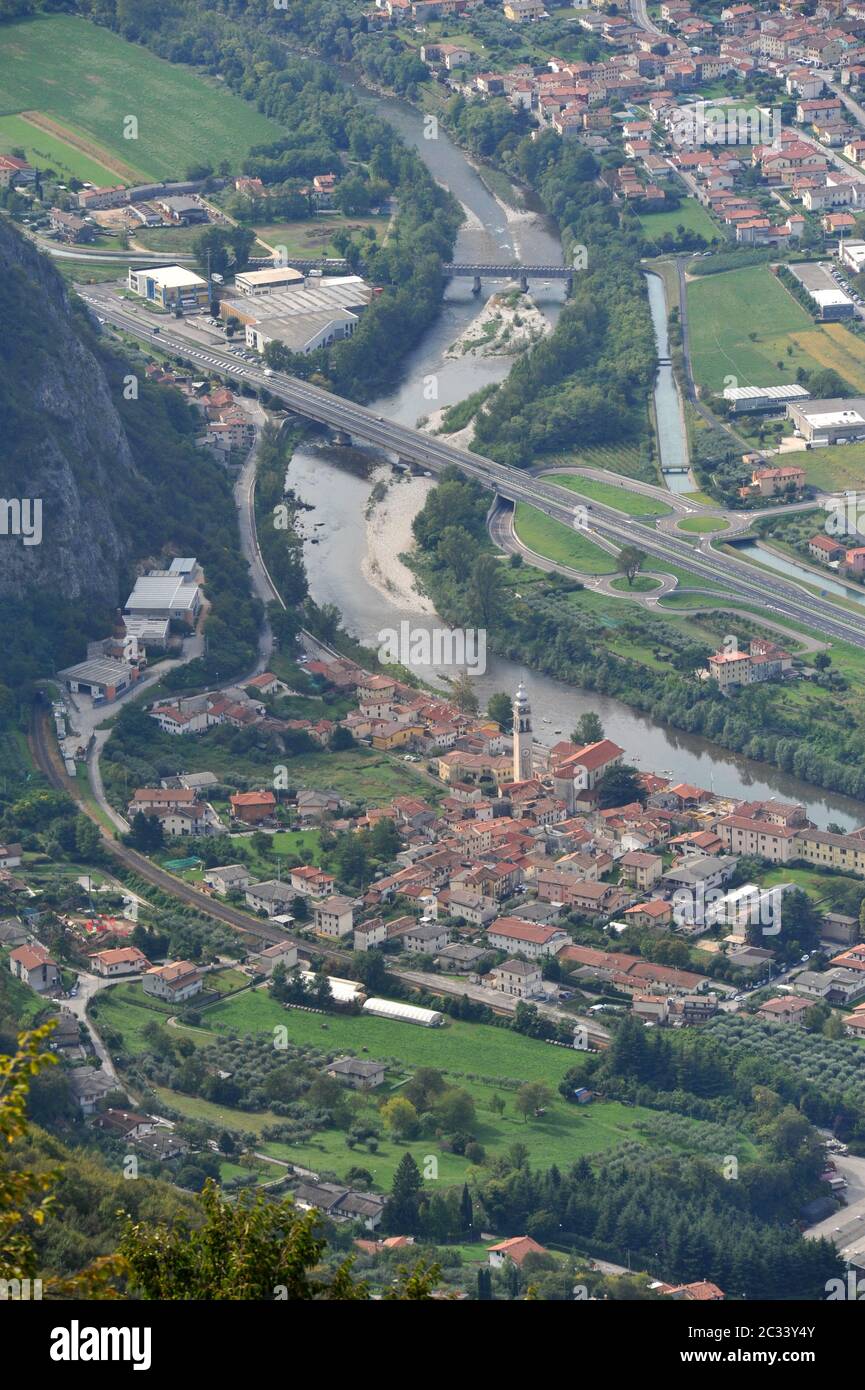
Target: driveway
(88, 987)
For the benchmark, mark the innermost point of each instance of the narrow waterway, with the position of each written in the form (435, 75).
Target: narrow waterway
(668, 405)
(338, 497)
(783, 564)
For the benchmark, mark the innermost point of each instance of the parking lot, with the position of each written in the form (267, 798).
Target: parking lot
(825, 275)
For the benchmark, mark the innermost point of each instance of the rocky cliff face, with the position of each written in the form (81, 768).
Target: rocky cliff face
(61, 439)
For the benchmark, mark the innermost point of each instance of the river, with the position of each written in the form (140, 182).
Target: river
(338, 497)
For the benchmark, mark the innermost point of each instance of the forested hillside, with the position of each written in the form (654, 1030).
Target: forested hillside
(118, 475)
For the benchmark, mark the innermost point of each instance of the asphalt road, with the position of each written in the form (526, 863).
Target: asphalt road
(765, 589)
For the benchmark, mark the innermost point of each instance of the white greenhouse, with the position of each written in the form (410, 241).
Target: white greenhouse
(404, 1013)
(342, 991)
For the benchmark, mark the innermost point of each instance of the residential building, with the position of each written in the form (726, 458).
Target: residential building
(358, 1073)
(369, 935)
(518, 978)
(340, 1203)
(426, 939)
(33, 965)
(523, 11)
(530, 939)
(176, 981)
(311, 882)
(334, 917)
(89, 1086)
(514, 1249)
(640, 869)
(280, 953)
(252, 807)
(272, 897)
(121, 960)
(788, 1010)
(229, 878)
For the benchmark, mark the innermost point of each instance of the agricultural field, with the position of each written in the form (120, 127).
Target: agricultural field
(82, 83)
(689, 215)
(554, 540)
(721, 309)
(634, 503)
(44, 150)
(490, 1063)
(564, 1134)
(833, 345)
(481, 1049)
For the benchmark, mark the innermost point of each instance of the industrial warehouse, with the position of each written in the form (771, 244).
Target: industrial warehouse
(280, 306)
(831, 421)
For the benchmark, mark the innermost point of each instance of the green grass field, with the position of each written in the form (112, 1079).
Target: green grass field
(627, 459)
(175, 241)
(124, 1008)
(740, 326)
(564, 1134)
(314, 236)
(46, 151)
(634, 503)
(702, 525)
(89, 82)
(642, 584)
(689, 215)
(837, 468)
(488, 1062)
(554, 540)
(358, 774)
(464, 1047)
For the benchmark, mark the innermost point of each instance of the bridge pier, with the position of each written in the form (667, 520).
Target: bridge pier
(476, 285)
(341, 437)
(569, 286)
(524, 283)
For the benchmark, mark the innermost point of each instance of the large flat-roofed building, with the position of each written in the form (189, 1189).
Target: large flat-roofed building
(825, 422)
(269, 280)
(833, 304)
(303, 332)
(747, 399)
(165, 597)
(104, 678)
(182, 211)
(852, 254)
(169, 285)
(316, 297)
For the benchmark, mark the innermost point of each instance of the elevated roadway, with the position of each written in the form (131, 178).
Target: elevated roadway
(765, 589)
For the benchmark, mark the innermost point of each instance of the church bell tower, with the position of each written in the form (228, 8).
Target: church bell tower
(522, 736)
